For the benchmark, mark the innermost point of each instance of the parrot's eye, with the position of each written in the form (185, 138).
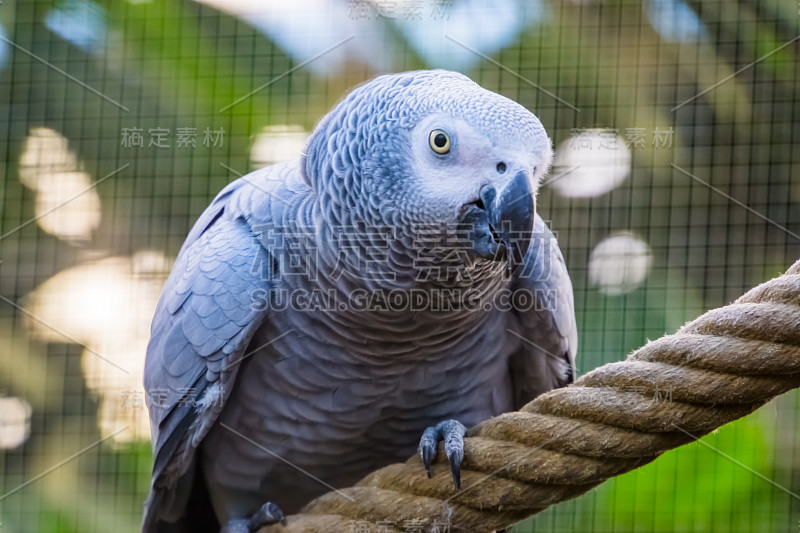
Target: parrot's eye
(439, 141)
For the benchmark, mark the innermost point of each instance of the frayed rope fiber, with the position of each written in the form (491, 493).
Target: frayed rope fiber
(715, 369)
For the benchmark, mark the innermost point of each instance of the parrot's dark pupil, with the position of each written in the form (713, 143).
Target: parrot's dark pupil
(440, 140)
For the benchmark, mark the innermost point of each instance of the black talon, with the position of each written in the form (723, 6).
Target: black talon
(454, 446)
(426, 460)
(455, 468)
(427, 447)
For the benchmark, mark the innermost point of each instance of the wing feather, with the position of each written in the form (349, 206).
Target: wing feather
(547, 333)
(202, 327)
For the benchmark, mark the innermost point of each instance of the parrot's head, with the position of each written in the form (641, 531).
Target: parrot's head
(448, 165)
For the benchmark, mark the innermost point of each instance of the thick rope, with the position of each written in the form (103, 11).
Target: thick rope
(673, 390)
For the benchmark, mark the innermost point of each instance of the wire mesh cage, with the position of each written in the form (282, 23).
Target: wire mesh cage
(675, 187)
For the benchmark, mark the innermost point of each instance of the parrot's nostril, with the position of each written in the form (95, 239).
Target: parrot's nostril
(501, 167)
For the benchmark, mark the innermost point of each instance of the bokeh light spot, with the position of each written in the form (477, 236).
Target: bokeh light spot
(591, 163)
(619, 263)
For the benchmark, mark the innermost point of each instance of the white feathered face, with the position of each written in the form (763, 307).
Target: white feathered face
(453, 160)
(471, 173)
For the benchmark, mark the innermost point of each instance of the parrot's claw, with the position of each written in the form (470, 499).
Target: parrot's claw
(268, 514)
(455, 468)
(452, 433)
(236, 526)
(427, 448)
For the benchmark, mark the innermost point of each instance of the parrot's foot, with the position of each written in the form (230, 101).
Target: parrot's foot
(452, 433)
(267, 515)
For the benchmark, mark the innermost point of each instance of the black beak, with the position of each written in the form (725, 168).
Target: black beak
(502, 225)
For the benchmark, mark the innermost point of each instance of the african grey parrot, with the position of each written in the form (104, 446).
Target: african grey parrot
(332, 314)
